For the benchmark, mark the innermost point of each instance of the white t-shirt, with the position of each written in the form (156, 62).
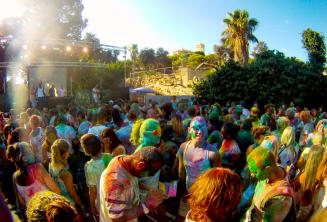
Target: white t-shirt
(36, 140)
(39, 92)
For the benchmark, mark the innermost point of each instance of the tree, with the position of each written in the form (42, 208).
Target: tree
(195, 59)
(147, 57)
(162, 59)
(134, 52)
(259, 48)
(314, 43)
(222, 53)
(54, 19)
(46, 22)
(238, 33)
(96, 52)
(271, 78)
(180, 57)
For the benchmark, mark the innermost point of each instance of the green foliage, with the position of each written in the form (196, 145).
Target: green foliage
(162, 60)
(96, 52)
(147, 57)
(134, 53)
(314, 43)
(271, 77)
(54, 19)
(109, 77)
(195, 59)
(260, 47)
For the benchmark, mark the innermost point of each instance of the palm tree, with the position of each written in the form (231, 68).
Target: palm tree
(238, 33)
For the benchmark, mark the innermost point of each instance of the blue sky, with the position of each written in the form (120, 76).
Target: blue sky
(175, 24)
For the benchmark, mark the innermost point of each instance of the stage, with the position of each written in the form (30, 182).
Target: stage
(52, 102)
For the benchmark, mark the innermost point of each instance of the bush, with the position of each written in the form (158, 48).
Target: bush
(270, 78)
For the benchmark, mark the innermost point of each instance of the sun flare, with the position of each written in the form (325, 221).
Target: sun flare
(10, 8)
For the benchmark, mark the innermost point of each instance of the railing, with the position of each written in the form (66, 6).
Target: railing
(54, 64)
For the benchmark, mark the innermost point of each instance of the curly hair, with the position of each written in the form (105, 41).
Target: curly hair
(214, 195)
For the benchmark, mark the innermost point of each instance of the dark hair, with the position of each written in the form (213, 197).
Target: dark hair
(7, 129)
(11, 152)
(150, 155)
(231, 130)
(116, 117)
(15, 135)
(16, 153)
(110, 133)
(81, 114)
(102, 114)
(132, 115)
(191, 112)
(247, 124)
(61, 118)
(91, 144)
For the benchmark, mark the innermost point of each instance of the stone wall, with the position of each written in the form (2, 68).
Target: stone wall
(178, 83)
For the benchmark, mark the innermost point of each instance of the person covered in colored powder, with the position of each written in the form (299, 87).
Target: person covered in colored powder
(147, 133)
(120, 198)
(195, 157)
(46, 206)
(229, 151)
(273, 194)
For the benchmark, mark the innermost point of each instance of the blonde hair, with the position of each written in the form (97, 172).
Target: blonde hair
(288, 136)
(311, 166)
(50, 131)
(135, 134)
(177, 125)
(318, 138)
(322, 169)
(259, 131)
(58, 149)
(282, 123)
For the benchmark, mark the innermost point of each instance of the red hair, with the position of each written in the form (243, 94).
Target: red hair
(214, 195)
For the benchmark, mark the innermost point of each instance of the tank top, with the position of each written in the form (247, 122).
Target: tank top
(28, 191)
(37, 139)
(195, 168)
(56, 174)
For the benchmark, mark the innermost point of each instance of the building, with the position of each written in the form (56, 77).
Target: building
(200, 47)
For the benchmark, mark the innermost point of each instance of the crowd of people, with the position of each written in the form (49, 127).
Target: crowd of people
(169, 161)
